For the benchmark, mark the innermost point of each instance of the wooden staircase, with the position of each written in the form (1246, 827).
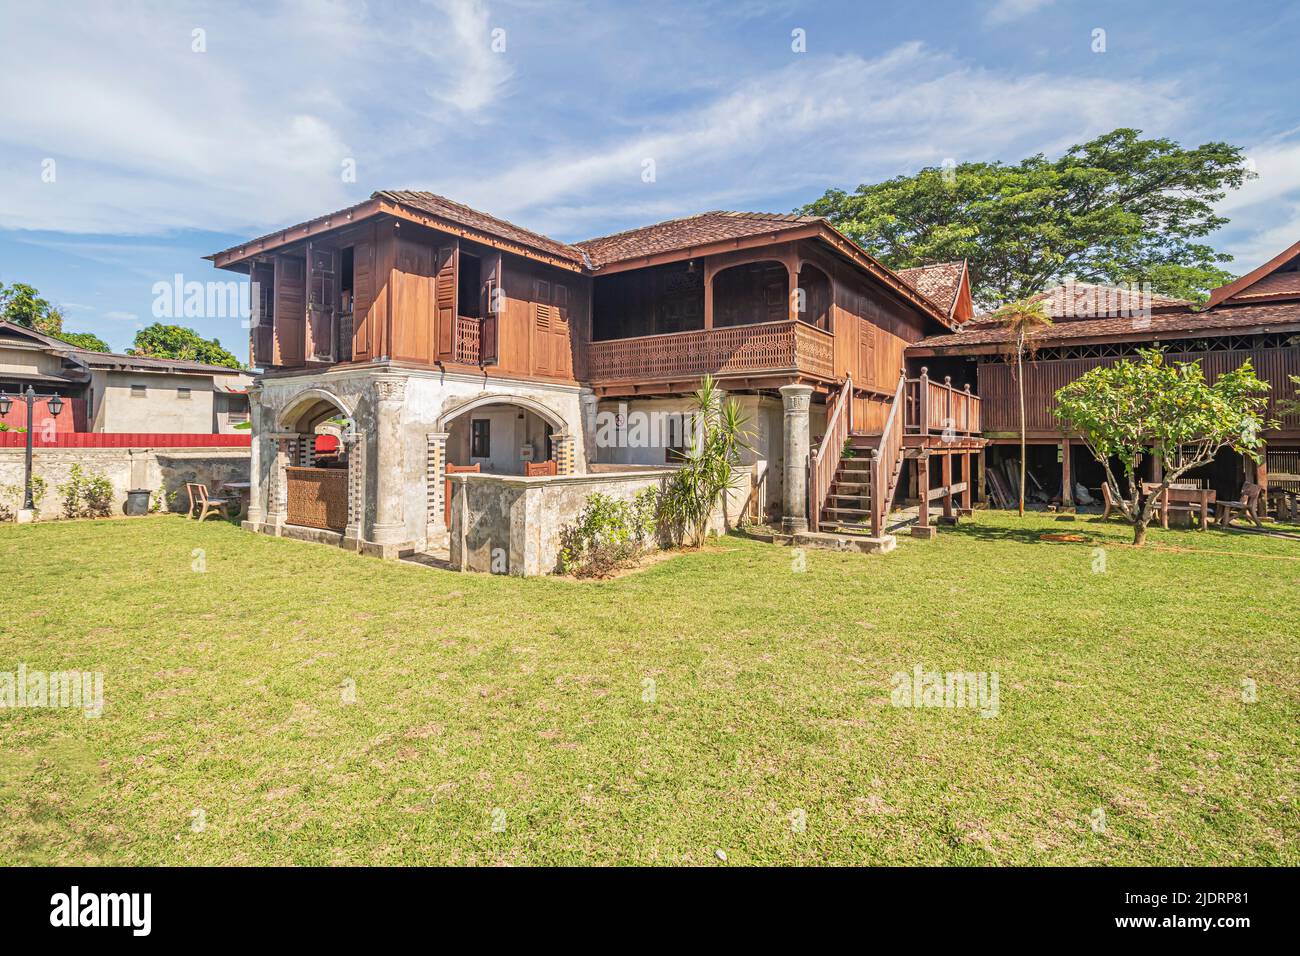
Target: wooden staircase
(848, 504)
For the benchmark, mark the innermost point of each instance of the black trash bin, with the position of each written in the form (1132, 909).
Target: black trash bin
(137, 501)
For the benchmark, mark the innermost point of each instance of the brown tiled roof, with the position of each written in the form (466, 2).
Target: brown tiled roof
(1279, 283)
(939, 282)
(463, 215)
(1072, 301)
(1225, 319)
(677, 234)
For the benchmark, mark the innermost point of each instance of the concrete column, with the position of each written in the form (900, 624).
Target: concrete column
(278, 494)
(356, 451)
(1067, 476)
(796, 400)
(389, 526)
(435, 474)
(563, 453)
(590, 408)
(256, 487)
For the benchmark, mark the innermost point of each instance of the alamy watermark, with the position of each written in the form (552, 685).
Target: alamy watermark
(79, 690)
(972, 690)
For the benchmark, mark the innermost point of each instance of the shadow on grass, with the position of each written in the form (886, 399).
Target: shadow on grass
(1092, 529)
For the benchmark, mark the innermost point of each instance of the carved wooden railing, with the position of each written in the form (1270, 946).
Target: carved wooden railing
(938, 408)
(826, 458)
(885, 460)
(764, 347)
(318, 497)
(467, 339)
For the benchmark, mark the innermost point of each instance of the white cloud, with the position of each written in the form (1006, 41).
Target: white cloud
(148, 135)
(1265, 212)
(1004, 11)
(819, 122)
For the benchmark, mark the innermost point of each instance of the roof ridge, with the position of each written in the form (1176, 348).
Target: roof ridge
(662, 222)
(395, 196)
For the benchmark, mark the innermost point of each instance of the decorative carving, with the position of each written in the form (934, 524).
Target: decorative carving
(390, 388)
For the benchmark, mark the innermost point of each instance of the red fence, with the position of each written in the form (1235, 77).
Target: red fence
(42, 439)
(72, 418)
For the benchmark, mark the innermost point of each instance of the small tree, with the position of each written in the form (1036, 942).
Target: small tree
(709, 467)
(1124, 409)
(1022, 319)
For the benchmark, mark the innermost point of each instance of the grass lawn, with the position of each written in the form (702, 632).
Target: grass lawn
(498, 720)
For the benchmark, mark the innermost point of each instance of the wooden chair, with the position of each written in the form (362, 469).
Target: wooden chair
(1108, 502)
(1224, 511)
(534, 469)
(206, 505)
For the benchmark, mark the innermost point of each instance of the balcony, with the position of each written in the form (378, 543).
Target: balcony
(938, 414)
(736, 351)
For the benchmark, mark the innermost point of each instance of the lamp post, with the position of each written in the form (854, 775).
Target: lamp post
(55, 405)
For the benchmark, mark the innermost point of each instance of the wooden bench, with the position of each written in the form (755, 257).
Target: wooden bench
(1249, 504)
(1188, 496)
(204, 503)
(535, 469)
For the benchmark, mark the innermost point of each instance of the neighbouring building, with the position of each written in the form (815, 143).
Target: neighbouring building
(1257, 317)
(444, 340)
(106, 392)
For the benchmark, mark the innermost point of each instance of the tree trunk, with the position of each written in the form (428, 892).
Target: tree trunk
(1139, 532)
(1020, 381)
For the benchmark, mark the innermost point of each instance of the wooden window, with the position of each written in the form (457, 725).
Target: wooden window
(139, 391)
(480, 438)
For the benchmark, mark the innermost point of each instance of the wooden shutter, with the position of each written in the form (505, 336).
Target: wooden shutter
(866, 353)
(488, 354)
(261, 345)
(322, 273)
(290, 310)
(445, 299)
(363, 297)
(541, 326)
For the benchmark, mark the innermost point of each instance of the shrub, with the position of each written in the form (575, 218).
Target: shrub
(708, 470)
(86, 494)
(609, 534)
(15, 494)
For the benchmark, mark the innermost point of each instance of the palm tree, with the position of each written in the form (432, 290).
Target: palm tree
(1022, 319)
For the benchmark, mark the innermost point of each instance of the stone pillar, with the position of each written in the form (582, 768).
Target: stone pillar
(435, 473)
(563, 445)
(389, 526)
(256, 487)
(590, 409)
(356, 452)
(278, 496)
(796, 399)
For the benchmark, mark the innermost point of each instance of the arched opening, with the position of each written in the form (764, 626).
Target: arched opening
(318, 461)
(814, 304)
(751, 293)
(503, 435)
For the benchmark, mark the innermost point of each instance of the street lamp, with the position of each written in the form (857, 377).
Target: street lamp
(55, 405)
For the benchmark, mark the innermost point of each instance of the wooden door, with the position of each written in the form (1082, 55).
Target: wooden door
(412, 294)
(445, 269)
(866, 353)
(551, 351)
(446, 488)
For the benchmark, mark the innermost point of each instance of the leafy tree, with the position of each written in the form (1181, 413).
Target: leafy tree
(708, 469)
(1022, 319)
(22, 305)
(1122, 410)
(1116, 209)
(176, 342)
(84, 340)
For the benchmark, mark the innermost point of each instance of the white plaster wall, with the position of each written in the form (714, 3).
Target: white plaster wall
(159, 409)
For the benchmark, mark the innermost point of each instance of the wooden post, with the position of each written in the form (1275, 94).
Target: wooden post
(946, 471)
(967, 508)
(923, 528)
(1067, 475)
(923, 402)
(949, 423)
(983, 476)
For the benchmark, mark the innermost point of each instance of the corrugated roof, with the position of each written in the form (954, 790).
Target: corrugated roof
(1224, 319)
(115, 359)
(677, 234)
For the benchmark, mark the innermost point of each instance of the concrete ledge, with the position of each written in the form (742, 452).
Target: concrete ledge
(863, 544)
(924, 531)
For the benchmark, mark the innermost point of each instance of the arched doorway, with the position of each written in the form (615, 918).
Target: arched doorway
(318, 458)
(504, 435)
(815, 297)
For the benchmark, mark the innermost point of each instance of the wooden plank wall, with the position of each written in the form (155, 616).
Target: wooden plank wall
(997, 386)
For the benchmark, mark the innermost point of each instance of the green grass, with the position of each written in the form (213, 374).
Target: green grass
(1119, 690)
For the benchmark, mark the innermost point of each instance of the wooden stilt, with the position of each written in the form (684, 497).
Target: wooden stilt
(967, 493)
(923, 528)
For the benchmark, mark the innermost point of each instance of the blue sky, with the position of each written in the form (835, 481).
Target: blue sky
(163, 153)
